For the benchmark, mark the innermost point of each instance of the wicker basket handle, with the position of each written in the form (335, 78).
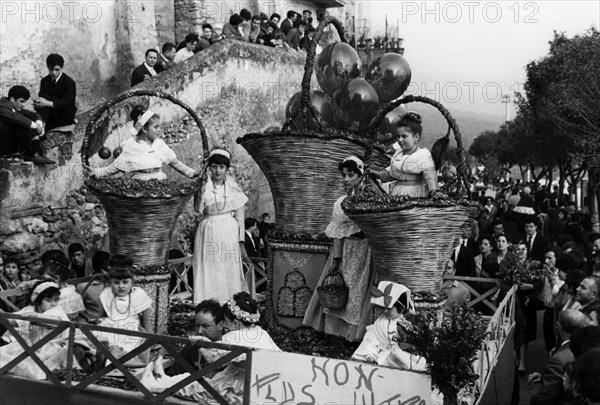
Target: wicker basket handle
(461, 167)
(89, 129)
(305, 104)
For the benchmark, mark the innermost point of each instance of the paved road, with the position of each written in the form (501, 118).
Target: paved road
(536, 360)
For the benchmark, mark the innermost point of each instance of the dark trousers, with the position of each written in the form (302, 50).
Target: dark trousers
(190, 354)
(15, 139)
(56, 118)
(548, 327)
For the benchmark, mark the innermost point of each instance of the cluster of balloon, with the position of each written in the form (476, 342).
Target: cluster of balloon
(348, 101)
(105, 152)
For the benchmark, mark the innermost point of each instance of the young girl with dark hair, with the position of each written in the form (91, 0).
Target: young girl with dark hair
(124, 307)
(411, 169)
(351, 256)
(145, 153)
(219, 244)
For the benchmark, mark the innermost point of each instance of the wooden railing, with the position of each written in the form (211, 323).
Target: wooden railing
(486, 297)
(150, 341)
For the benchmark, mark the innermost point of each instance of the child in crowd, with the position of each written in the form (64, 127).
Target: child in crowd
(70, 300)
(125, 307)
(45, 299)
(383, 340)
(144, 154)
(90, 291)
(11, 273)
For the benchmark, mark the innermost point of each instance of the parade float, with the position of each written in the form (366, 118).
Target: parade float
(300, 162)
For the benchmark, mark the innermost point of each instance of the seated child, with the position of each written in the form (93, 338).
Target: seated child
(12, 279)
(44, 304)
(90, 291)
(144, 155)
(381, 342)
(241, 318)
(70, 300)
(124, 307)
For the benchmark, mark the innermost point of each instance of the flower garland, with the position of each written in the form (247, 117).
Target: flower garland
(242, 315)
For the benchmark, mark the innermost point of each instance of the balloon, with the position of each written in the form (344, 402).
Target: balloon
(117, 152)
(355, 104)
(104, 152)
(390, 76)
(322, 103)
(391, 119)
(335, 65)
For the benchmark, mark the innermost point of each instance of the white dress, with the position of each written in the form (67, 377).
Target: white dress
(217, 261)
(380, 344)
(70, 300)
(123, 313)
(229, 382)
(407, 173)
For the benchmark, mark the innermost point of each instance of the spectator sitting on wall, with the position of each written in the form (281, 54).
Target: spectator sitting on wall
(165, 59)
(204, 40)
(79, 266)
(279, 40)
(254, 29)
(275, 18)
(217, 34)
(288, 23)
(295, 35)
(191, 41)
(307, 39)
(268, 37)
(231, 29)
(245, 26)
(56, 99)
(19, 128)
(147, 69)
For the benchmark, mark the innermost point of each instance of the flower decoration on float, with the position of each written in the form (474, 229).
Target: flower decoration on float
(242, 315)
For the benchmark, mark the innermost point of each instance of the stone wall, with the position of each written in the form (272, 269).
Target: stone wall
(234, 87)
(101, 41)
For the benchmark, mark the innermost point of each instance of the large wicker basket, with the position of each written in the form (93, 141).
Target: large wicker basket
(140, 226)
(411, 241)
(301, 166)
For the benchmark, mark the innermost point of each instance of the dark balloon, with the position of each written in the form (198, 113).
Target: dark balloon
(390, 76)
(335, 65)
(104, 152)
(391, 119)
(322, 103)
(117, 152)
(355, 104)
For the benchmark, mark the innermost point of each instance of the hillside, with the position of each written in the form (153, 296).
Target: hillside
(471, 124)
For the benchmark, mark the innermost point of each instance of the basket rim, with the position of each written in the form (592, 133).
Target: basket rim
(331, 134)
(428, 204)
(89, 129)
(88, 183)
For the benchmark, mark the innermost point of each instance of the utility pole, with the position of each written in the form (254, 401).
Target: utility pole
(505, 99)
(385, 38)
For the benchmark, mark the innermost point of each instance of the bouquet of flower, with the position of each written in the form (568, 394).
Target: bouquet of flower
(511, 270)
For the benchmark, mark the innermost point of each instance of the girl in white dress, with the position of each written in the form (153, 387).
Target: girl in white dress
(219, 243)
(124, 307)
(145, 153)
(381, 343)
(411, 169)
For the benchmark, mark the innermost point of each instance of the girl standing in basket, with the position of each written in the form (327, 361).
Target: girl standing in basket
(351, 256)
(125, 307)
(411, 169)
(145, 153)
(219, 243)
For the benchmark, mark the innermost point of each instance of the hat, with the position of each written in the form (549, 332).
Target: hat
(387, 293)
(525, 205)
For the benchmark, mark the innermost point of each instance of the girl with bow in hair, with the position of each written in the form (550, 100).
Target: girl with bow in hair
(145, 153)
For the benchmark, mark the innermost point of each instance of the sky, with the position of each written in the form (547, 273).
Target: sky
(467, 54)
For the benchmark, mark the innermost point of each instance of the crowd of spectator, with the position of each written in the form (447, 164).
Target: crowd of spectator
(294, 32)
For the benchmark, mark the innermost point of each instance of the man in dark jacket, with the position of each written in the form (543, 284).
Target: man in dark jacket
(20, 128)
(56, 101)
(288, 23)
(147, 69)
